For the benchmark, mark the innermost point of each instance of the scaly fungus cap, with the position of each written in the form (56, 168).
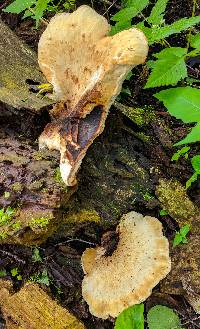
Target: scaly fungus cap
(127, 277)
(86, 68)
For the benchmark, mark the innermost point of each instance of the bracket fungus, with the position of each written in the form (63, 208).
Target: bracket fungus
(86, 68)
(128, 276)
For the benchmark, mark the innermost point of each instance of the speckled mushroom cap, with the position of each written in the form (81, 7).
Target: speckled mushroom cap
(86, 68)
(127, 277)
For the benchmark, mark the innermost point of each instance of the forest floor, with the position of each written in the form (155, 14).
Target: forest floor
(110, 166)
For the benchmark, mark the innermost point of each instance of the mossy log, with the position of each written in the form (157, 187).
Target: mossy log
(32, 189)
(184, 278)
(31, 307)
(18, 66)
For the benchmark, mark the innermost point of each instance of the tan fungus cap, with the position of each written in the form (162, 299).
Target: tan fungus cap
(127, 277)
(86, 68)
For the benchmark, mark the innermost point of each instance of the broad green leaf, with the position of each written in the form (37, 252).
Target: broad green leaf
(182, 102)
(129, 12)
(27, 13)
(192, 137)
(120, 26)
(157, 13)
(162, 317)
(195, 41)
(176, 51)
(146, 30)
(18, 6)
(131, 318)
(196, 163)
(182, 24)
(169, 68)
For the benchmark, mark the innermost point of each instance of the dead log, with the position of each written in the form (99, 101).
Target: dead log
(31, 307)
(18, 68)
(30, 186)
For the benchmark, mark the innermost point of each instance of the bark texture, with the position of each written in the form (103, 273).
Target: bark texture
(30, 184)
(32, 308)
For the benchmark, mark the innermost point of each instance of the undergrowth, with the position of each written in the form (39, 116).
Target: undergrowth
(169, 66)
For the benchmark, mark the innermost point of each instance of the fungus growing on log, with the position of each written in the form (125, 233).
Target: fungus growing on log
(86, 68)
(128, 276)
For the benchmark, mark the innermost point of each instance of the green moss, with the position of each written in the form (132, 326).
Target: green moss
(142, 136)
(57, 175)
(6, 215)
(139, 116)
(39, 222)
(173, 198)
(147, 196)
(39, 156)
(59, 180)
(84, 215)
(3, 235)
(36, 185)
(17, 187)
(16, 226)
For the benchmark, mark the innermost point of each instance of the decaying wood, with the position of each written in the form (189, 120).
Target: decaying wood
(184, 278)
(32, 308)
(18, 63)
(30, 184)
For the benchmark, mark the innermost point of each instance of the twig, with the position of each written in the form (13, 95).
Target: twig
(111, 3)
(75, 239)
(13, 256)
(107, 10)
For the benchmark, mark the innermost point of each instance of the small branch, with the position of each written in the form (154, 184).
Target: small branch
(111, 3)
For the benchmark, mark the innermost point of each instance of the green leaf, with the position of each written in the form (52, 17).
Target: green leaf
(163, 212)
(18, 6)
(191, 180)
(185, 230)
(196, 163)
(162, 317)
(131, 11)
(120, 26)
(182, 151)
(39, 9)
(195, 41)
(2, 273)
(192, 137)
(14, 272)
(182, 24)
(157, 13)
(180, 236)
(36, 257)
(146, 30)
(182, 102)
(169, 68)
(131, 318)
